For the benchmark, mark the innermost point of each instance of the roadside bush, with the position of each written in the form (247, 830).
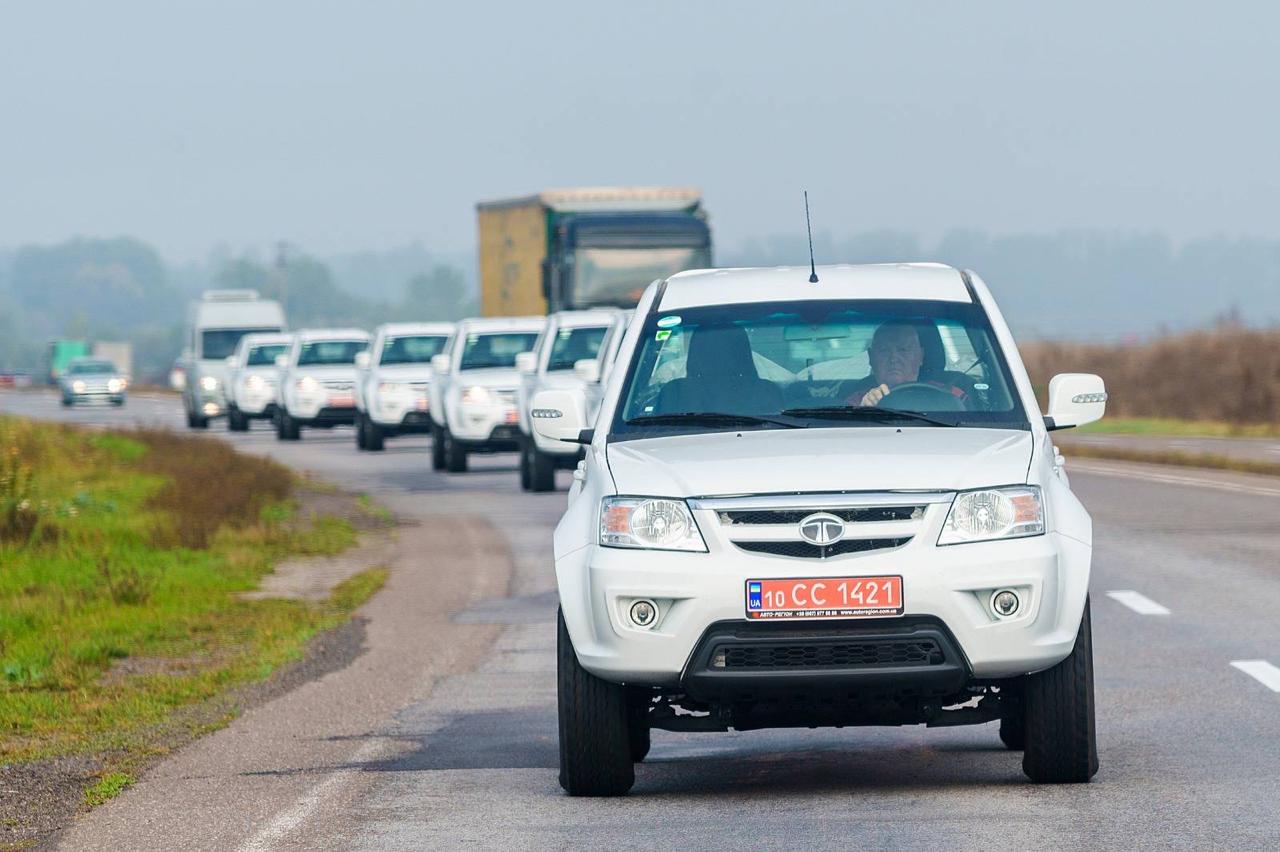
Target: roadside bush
(1230, 374)
(19, 513)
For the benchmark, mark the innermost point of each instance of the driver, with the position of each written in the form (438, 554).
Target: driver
(896, 357)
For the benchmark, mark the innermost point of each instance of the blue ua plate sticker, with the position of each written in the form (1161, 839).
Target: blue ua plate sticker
(754, 591)
(668, 321)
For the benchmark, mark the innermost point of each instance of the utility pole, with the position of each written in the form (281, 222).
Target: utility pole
(282, 272)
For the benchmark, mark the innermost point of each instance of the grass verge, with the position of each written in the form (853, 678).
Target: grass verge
(1211, 461)
(1168, 426)
(123, 559)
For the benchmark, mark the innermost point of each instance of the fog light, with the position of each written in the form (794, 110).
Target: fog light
(210, 408)
(644, 613)
(1004, 603)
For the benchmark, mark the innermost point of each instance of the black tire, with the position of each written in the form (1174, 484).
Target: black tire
(437, 447)
(237, 421)
(542, 469)
(455, 455)
(1013, 717)
(374, 439)
(198, 422)
(525, 483)
(360, 434)
(67, 402)
(288, 428)
(1061, 733)
(118, 403)
(595, 743)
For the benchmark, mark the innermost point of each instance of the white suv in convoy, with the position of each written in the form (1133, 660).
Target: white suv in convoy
(567, 358)
(252, 393)
(832, 503)
(473, 392)
(317, 380)
(393, 380)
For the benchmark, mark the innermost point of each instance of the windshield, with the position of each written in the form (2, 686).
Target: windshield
(322, 352)
(263, 356)
(495, 350)
(817, 364)
(573, 345)
(80, 368)
(618, 276)
(412, 350)
(218, 343)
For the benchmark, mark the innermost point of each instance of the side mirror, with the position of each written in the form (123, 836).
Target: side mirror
(1075, 399)
(588, 369)
(559, 415)
(363, 360)
(282, 361)
(527, 362)
(440, 363)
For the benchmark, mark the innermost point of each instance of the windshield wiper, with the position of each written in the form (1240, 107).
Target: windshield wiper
(864, 412)
(710, 418)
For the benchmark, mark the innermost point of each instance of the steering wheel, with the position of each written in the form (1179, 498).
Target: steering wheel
(930, 398)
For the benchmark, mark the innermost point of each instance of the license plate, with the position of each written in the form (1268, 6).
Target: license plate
(512, 417)
(421, 403)
(342, 401)
(824, 597)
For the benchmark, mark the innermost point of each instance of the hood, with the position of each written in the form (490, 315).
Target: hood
(812, 460)
(326, 372)
(404, 372)
(560, 380)
(489, 377)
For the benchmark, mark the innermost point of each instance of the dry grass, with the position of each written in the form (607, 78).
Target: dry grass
(1230, 375)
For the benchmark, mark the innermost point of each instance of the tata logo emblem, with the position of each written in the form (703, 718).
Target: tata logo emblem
(821, 529)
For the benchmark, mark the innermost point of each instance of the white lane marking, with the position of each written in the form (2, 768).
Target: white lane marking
(1173, 479)
(288, 820)
(1262, 671)
(1139, 603)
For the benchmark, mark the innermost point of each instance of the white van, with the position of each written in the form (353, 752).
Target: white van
(215, 324)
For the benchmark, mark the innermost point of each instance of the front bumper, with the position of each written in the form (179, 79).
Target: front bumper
(953, 585)
(256, 402)
(486, 423)
(402, 412)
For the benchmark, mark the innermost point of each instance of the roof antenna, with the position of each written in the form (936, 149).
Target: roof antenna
(813, 270)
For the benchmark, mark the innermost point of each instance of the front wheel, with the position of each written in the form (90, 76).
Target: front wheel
(437, 447)
(542, 468)
(455, 455)
(237, 421)
(287, 429)
(374, 439)
(1061, 734)
(595, 743)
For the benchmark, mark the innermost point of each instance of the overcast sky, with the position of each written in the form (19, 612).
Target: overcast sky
(341, 126)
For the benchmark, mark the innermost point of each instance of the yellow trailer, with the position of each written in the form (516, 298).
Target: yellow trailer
(582, 248)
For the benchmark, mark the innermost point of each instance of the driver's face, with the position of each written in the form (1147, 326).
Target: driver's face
(896, 356)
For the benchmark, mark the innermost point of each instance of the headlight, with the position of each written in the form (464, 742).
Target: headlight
(475, 395)
(392, 388)
(115, 385)
(78, 386)
(649, 522)
(306, 384)
(209, 383)
(994, 513)
(255, 382)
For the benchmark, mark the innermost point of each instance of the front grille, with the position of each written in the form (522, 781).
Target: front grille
(420, 387)
(507, 396)
(872, 514)
(338, 386)
(844, 655)
(804, 550)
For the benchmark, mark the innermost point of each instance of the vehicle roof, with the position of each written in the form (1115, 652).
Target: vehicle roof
(497, 324)
(265, 339)
(390, 328)
(578, 319)
(331, 334)
(931, 281)
(244, 311)
(607, 198)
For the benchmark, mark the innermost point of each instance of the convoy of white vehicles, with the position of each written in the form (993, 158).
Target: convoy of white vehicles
(801, 497)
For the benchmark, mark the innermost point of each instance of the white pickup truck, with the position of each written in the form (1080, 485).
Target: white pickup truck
(832, 503)
(568, 357)
(393, 381)
(317, 380)
(473, 393)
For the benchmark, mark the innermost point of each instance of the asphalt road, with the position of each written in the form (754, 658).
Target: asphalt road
(442, 734)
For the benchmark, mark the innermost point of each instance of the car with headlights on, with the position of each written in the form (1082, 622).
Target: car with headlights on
(317, 377)
(473, 392)
(253, 392)
(393, 380)
(833, 503)
(92, 380)
(567, 357)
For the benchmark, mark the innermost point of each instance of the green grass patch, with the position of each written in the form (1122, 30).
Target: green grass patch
(121, 586)
(1167, 426)
(107, 788)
